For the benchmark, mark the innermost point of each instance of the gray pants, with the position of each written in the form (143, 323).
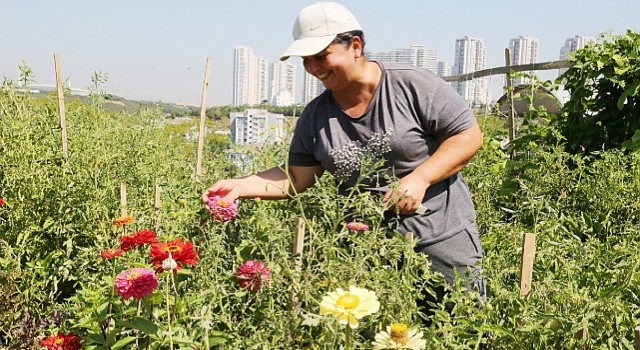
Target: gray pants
(461, 252)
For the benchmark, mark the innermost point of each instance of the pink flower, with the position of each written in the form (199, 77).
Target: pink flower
(1, 202)
(252, 274)
(357, 226)
(136, 283)
(221, 209)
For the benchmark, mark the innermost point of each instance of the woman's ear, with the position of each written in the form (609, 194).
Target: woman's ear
(356, 44)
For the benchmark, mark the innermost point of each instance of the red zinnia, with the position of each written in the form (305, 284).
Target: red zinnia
(1, 202)
(181, 252)
(61, 342)
(112, 253)
(252, 274)
(139, 238)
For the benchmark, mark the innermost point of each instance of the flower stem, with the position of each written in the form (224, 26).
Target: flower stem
(169, 311)
(347, 338)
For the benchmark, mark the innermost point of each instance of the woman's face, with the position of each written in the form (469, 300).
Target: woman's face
(332, 66)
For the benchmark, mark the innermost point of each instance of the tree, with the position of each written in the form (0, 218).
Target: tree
(603, 110)
(26, 75)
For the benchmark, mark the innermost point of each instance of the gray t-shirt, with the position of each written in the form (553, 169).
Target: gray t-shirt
(410, 114)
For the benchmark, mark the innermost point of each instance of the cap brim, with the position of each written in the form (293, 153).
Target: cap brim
(307, 46)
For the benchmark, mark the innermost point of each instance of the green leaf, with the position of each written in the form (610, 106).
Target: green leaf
(632, 90)
(145, 325)
(122, 343)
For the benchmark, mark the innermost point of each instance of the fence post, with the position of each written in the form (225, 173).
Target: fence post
(123, 199)
(512, 128)
(526, 265)
(63, 119)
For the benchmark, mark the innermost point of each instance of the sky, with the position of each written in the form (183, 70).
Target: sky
(156, 50)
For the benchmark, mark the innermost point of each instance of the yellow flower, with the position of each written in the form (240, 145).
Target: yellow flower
(350, 306)
(399, 336)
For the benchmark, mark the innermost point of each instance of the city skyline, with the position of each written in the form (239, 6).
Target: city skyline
(157, 50)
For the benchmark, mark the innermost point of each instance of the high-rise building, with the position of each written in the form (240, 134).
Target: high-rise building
(311, 88)
(415, 55)
(283, 84)
(444, 69)
(572, 45)
(524, 50)
(255, 126)
(471, 56)
(250, 77)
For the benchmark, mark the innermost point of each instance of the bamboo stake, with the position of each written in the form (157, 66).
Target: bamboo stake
(63, 121)
(203, 110)
(526, 267)
(123, 199)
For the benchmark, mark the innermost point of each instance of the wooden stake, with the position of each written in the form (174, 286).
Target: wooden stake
(526, 266)
(203, 114)
(409, 236)
(298, 242)
(123, 199)
(63, 121)
(636, 342)
(157, 205)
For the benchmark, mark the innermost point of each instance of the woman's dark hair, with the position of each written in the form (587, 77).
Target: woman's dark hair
(347, 37)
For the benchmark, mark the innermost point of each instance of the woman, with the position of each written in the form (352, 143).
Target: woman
(416, 122)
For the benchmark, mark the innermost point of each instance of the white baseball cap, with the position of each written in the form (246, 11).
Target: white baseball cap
(316, 27)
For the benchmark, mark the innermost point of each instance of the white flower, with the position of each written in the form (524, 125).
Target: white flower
(398, 336)
(169, 264)
(350, 306)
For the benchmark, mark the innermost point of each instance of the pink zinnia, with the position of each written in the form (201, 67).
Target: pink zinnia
(1, 202)
(357, 226)
(222, 209)
(252, 274)
(136, 283)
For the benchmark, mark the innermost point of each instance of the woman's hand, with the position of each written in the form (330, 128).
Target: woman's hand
(407, 197)
(228, 189)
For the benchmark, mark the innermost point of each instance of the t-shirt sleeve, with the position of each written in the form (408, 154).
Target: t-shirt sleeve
(448, 113)
(301, 148)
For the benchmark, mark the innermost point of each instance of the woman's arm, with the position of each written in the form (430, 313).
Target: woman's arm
(273, 183)
(451, 156)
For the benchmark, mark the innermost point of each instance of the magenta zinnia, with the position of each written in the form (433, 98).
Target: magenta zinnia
(357, 226)
(222, 209)
(136, 283)
(252, 274)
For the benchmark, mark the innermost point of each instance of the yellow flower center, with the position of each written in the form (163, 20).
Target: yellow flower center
(400, 333)
(223, 203)
(173, 248)
(132, 276)
(59, 341)
(348, 301)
